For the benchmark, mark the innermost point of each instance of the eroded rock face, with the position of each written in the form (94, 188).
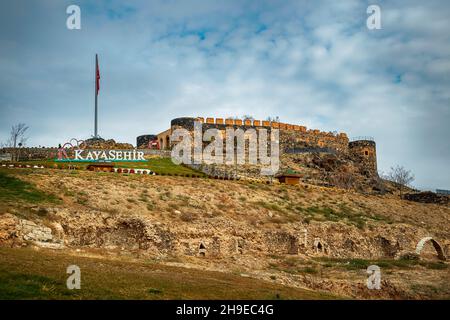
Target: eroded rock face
(214, 237)
(340, 170)
(103, 230)
(32, 232)
(221, 238)
(16, 230)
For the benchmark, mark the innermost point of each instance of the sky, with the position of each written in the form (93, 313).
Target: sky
(312, 63)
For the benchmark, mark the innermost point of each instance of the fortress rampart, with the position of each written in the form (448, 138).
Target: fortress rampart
(292, 137)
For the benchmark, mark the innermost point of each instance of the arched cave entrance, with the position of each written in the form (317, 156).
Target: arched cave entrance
(202, 249)
(319, 246)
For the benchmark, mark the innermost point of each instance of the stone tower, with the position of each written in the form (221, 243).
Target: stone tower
(365, 152)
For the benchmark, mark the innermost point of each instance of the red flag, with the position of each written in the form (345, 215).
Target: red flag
(97, 76)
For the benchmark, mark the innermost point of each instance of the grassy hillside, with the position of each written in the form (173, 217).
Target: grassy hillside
(13, 189)
(30, 274)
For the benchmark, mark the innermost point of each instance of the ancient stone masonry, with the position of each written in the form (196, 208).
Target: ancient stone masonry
(205, 240)
(292, 137)
(144, 140)
(364, 151)
(296, 141)
(164, 139)
(34, 153)
(280, 242)
(292, 141)
(436, 245)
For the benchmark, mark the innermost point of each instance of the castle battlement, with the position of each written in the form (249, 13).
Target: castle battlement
(265, 123)
(293, 138)
(291, 135)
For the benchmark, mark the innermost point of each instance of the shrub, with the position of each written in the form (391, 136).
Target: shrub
(154, 291)
(309, 270)
(187, 217)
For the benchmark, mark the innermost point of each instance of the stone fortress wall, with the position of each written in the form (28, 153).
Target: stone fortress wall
(294, 139)
(291, 135)
(32, 153)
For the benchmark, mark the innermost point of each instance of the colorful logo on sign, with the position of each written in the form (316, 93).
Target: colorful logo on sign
(80, 153)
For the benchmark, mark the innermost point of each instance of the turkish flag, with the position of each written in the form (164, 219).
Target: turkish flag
(97, 76)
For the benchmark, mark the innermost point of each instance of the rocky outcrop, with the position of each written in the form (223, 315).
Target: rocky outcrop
(331, 169)
(427, 197)
(218, 237)
(32, 232)
(14, 230)
(99, 143)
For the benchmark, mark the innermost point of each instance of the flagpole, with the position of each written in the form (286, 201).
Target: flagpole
(96, 92)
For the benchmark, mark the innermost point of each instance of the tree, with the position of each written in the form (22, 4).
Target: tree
(17, 138)
(248, 117)
(400, 176)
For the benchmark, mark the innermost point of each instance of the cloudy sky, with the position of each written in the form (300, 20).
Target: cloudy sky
(313, 63)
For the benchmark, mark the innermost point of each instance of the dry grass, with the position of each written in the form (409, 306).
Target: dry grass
(139, 194)
(29, 274)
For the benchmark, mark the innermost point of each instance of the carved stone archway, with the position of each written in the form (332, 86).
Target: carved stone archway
(319, 246)
(436, 245)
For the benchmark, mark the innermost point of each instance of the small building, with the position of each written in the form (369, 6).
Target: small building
(290, 177)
